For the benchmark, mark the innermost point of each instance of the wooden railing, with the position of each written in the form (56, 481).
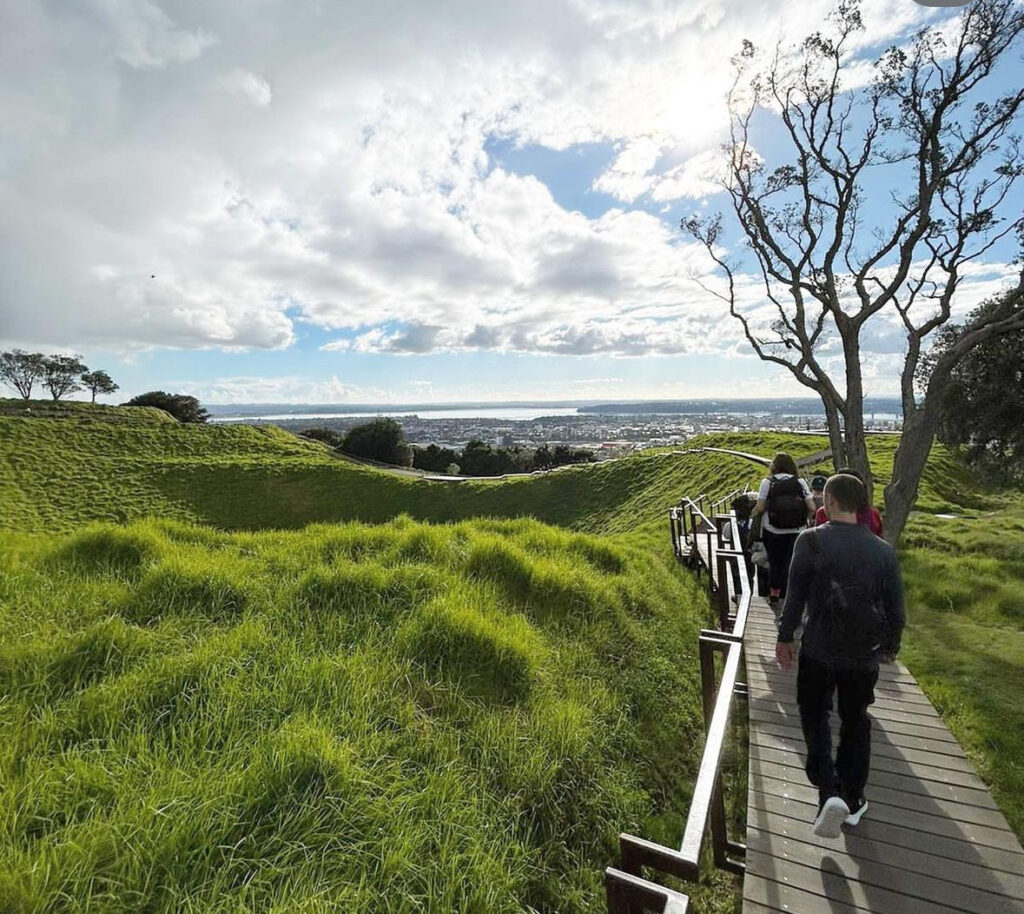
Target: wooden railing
(697, 522)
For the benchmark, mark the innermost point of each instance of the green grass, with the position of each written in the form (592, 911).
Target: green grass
(965, 638)
(405, 717)
(77, 409)
(303, 683)
(57, 476)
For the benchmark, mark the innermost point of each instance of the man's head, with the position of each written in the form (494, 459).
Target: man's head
(818, 484)
(845, 495)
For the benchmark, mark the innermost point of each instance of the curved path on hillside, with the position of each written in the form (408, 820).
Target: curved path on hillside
(932, 841)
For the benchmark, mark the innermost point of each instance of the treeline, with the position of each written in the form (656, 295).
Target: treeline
(67, 374)
(384, 441)
(58, 374)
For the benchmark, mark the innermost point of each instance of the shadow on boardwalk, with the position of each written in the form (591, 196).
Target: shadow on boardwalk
(932, 840)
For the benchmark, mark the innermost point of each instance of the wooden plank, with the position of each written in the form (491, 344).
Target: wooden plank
(928, 773)
(777, 833)
(784, 686)
(929, 825)
(793, 782)
(771, 815)
(833, 892)
(899, 733)
(814, 869)
(771, 760)
(881, 710)
(923, 751)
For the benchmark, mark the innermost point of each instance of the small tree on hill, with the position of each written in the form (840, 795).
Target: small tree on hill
(382, 440)
(98, 382)
(21, 370)
(61, 374)
(183, 407)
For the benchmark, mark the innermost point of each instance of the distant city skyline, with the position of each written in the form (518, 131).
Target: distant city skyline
(308, 202)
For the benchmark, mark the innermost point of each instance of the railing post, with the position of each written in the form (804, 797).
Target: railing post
(722, 592)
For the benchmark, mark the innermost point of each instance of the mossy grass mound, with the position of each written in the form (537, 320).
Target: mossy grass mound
(77, 409)
(305, 719)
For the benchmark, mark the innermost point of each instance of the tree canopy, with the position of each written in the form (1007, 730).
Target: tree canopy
(61, 374)
(183, 407)
(980, 408)
(382, 440)
(98, 382)
(21, 370)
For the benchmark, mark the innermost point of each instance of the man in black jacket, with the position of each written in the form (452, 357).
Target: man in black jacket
(848, 581)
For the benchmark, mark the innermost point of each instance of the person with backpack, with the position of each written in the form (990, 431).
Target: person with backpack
(785, 505)
(845, 588)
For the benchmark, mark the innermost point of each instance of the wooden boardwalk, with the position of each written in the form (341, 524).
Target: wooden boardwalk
(932, 840)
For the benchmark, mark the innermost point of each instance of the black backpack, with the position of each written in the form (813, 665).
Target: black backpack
(787, 509)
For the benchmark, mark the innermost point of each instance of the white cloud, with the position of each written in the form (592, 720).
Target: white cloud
(142, 205)
(143, 36)
(247, 85)
(290, 389)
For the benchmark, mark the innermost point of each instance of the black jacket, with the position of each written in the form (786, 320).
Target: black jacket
(845, 585)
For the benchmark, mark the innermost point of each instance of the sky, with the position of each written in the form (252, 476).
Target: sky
(390, 202)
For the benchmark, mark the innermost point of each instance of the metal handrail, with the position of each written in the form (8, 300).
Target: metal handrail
(628, 892)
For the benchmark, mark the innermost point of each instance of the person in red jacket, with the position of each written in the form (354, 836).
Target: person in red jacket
(867, 514)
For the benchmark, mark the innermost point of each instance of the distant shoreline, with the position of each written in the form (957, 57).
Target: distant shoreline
(883, 407)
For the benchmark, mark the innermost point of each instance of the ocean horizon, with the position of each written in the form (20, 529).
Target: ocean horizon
(880, 407)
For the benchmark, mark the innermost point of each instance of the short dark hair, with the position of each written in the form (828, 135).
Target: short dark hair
(850, 471)
(782, 463)
(848, 491)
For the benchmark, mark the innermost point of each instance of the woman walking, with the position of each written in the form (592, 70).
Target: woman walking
(787, 505)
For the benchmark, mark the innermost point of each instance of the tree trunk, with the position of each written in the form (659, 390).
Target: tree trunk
(855, 440)
(857, 452)
(907, 467)
(835, 433)
(94, 396)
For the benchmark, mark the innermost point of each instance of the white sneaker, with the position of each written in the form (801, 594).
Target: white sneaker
(831, 816)
(857, 810)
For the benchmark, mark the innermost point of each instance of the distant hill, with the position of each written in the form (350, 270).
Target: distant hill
(75, 409)
(58, 474)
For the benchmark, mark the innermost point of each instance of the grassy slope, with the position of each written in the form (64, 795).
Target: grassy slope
(60, 475)
(77, 409)
(965, 641)
(406, 717)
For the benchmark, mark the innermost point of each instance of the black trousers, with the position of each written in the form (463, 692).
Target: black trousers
(855, 689)
(779, 547)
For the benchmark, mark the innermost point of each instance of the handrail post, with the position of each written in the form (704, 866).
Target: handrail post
(722, 592)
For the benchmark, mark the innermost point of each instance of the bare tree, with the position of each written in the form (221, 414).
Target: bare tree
(919, 129)
(61, 374)
(21, 370)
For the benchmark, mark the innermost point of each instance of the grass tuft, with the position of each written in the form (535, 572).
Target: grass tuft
(496, 658)
(110, 550)
(215, 587)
